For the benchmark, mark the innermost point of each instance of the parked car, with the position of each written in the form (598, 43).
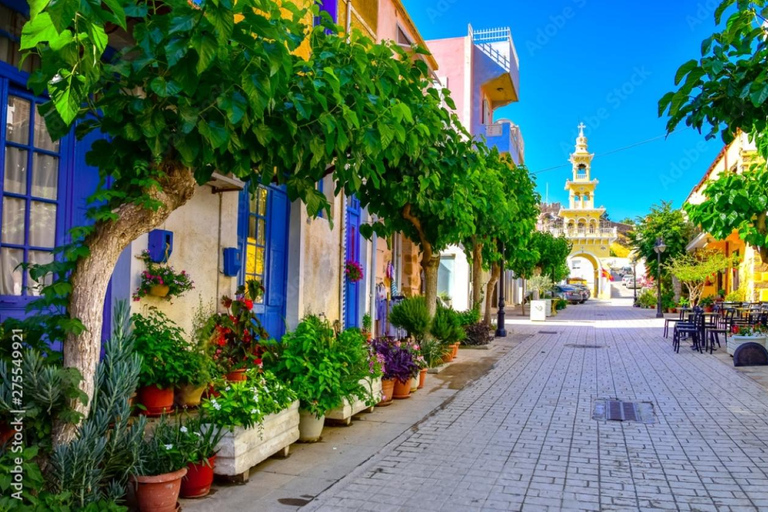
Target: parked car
(569, 293)
(628, 280)
(585, 291)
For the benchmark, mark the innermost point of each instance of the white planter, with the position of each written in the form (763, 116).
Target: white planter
(242, 449)
(548, 309)
(310, 427)
(347, 409)
(538, 310)
(735, 341)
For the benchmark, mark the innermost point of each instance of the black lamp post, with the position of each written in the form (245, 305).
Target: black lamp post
(659, 248)
(501, 331)
(634, 280)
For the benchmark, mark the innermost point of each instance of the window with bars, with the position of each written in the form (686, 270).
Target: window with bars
(30, 193)
(256, 241)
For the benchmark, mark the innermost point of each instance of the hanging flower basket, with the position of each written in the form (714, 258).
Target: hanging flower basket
(159, 290)
(353, 271)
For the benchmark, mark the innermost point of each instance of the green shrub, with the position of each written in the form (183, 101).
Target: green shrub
(647, 298)
(561, 304)
(412, 315)
(446, 326)
(433, 351)
(469, 317)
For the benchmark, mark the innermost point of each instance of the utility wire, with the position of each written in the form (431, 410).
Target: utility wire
(604, 154)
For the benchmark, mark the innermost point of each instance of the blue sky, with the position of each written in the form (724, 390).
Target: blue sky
(605, 64)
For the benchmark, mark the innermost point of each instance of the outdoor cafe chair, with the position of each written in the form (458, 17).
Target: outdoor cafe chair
(694, 330)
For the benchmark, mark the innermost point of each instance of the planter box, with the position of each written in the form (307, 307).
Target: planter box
(347, 410)
(242, 449)
(538, 310)
(735, 341)
(548, 309)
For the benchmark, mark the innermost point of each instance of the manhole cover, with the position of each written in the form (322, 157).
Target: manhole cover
(576, 345)
(548, 332)
(618, 410)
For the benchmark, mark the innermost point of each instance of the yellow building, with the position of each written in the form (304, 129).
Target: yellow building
(581, 223)
(751, 275)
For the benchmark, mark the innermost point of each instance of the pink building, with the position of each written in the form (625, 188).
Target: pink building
(482, 71)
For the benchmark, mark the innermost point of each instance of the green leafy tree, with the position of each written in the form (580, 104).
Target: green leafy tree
(694, 270)
(196, 92)
(665, 222)
(553, 255)
(724, 92)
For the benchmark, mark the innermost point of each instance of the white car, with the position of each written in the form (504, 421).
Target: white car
(628, 281)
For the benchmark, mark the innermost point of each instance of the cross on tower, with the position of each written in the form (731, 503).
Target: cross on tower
(581, 129)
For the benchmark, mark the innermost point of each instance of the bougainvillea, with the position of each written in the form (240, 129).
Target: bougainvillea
(353, 271)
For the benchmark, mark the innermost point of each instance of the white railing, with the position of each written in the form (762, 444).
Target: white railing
(485, 40)
(585, 233)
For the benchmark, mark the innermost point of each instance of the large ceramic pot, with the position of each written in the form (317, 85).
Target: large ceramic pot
(237, 375)
(387, 390)
(156, 401)
(422, 377)
(197, 482)
(189, 395)
(414, 384)
(456, 350)
(159, 290)
(448, 357)
(158, 493)
(402, 389)
(310, 427)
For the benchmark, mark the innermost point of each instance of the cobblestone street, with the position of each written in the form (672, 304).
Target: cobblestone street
(523, 438)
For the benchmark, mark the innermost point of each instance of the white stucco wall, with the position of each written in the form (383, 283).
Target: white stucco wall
(196, 249)
(460, 278)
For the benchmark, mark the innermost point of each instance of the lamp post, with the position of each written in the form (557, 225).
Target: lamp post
(634, 280)
(501, 331)
(659, 248)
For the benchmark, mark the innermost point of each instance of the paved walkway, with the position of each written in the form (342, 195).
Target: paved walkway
(522, 437)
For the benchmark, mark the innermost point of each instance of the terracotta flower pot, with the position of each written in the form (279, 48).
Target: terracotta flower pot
(236, 375)
(159, 290)
(189, 395)
(402, 389)
(6, 432)
(158, 493)
(422, 377)
(157, 401)
(387, 390)
(455, 350)
(197, 482)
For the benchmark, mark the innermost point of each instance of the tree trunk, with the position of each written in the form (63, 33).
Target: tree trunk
(430, 264)
(477, 276)
(522, 302)
(92, 274)
(495, 273)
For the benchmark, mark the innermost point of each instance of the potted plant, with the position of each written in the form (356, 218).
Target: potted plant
(162, 465)
(260, 416)
(161, 345)
(746, 333)
(161, 281)
(362, 386)
(708, 303)
(684, 302)
(317, 367)
(399, 366)
(200, 441)
(353, 271)
(421, 362)
(446, 327)
(237, 333)
(412, 315)
(367, 326)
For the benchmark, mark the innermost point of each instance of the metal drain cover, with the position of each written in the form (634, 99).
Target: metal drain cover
(549, 332)
(576, 345)
(618, 410)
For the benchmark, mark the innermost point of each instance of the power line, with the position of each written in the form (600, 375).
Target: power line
(604, 154)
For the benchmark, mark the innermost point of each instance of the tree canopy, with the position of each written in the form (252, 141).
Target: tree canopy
(693, 270)
(724, 92)
(665, 222)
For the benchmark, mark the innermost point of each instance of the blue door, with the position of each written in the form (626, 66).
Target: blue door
(352, 290)
(263, 228)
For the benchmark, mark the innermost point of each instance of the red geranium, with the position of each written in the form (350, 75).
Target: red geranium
(248, 304)
(239, 329)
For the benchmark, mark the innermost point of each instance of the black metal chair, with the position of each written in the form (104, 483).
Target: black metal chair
(723, 326)
(667, 321)
(694, 330)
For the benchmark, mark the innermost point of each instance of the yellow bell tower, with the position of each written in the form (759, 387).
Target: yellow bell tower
(582, 220)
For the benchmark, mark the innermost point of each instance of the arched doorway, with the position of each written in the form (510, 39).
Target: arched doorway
(586, 266)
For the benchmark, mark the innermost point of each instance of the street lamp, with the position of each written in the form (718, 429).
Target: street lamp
(634, 280)
(659, 248)
(501, 331)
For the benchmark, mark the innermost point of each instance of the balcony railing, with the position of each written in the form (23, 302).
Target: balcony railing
(507, 138)
(497, 44)
(585, 233)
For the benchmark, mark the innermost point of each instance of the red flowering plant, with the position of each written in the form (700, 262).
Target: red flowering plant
(159, 275)
(238, 332)
(353, 271)
(749, 330)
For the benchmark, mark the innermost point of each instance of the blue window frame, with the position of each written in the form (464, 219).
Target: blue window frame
(256, 239)
(29, 208)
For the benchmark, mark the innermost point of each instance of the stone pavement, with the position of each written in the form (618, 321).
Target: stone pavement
(522, 437)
